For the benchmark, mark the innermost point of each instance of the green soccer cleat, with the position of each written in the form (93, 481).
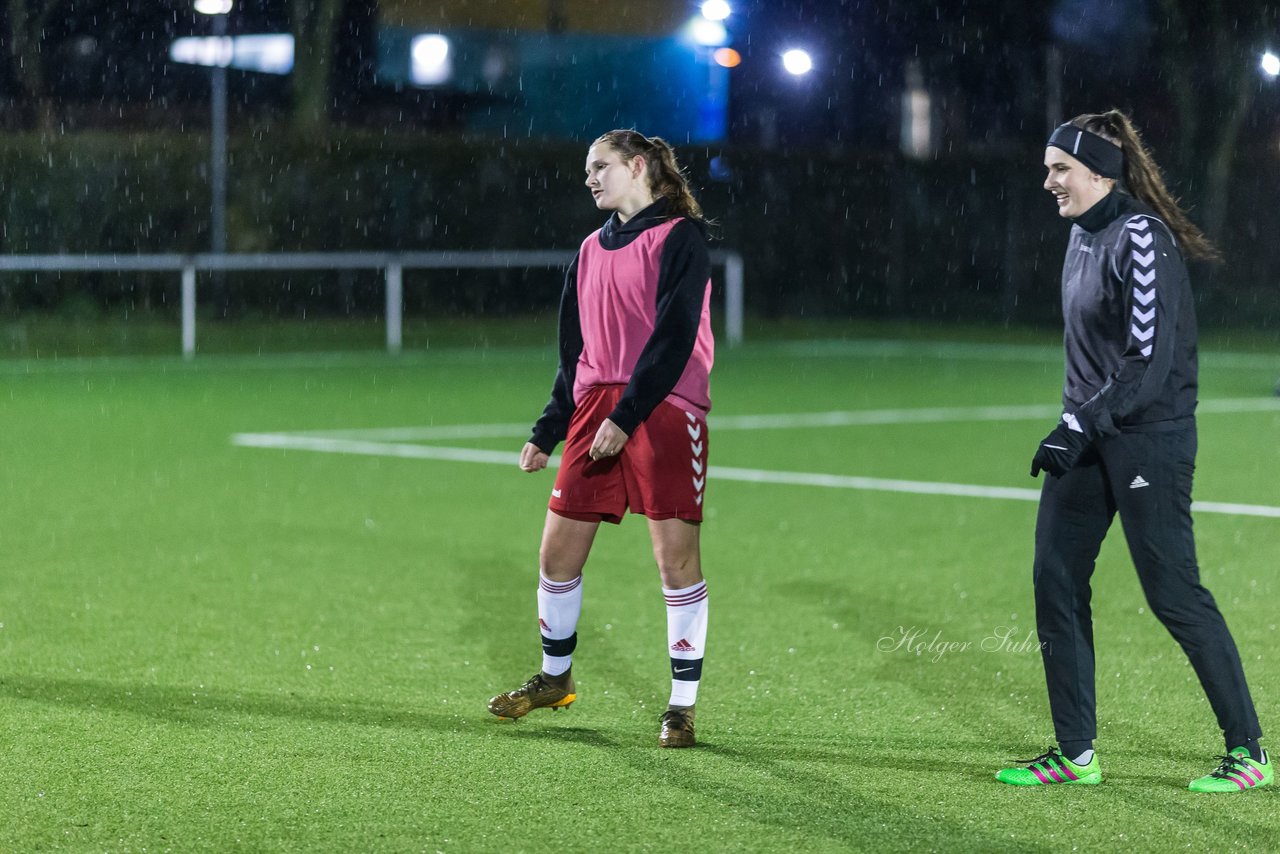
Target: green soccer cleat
(540, 692)
(1237, 772)
(1050, 769)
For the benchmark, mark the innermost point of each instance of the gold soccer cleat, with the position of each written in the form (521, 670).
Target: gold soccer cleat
(540, 692)
(677, 728)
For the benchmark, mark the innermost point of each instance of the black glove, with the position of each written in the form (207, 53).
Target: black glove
(1059, 451)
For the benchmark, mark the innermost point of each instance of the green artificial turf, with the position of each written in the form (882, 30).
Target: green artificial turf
(207, 647)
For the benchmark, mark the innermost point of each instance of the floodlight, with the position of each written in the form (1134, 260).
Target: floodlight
(270, 53)
(213, 7)
(431, 64)
(797, 62)
(210, 51)
(708, 33)
(1271, 64)
(716, 10)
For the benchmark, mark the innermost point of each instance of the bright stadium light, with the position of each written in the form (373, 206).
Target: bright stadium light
(716, 10)
(213, 7)
(797, 62)
(708, 33)
(1271, 64)
(270, 53)
(211, 51)
(431, 64)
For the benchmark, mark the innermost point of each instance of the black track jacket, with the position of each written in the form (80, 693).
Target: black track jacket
(1130, 325)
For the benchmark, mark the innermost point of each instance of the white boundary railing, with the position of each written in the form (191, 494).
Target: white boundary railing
(393, 265)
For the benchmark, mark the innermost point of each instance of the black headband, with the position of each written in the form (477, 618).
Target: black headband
(1093, 151)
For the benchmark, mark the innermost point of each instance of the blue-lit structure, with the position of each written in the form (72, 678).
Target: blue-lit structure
(569, 85)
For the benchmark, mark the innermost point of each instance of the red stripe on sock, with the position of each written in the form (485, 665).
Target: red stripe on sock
(689, 598)
(559, 587)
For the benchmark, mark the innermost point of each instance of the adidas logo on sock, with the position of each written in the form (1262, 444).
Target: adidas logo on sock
(1138, 482)
(682, 645)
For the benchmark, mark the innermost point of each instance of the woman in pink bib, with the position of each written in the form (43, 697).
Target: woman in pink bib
(630, 402)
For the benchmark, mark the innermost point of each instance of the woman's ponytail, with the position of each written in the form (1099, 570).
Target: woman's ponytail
(1142, 178)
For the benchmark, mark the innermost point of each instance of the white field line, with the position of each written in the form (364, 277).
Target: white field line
(834, 348)
(423, 434)
(841, 418)
(327, 445)
(331, 445)
(1239, 404)
(953, 350)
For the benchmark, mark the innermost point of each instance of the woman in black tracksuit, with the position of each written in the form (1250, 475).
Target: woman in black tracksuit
(1126, 444)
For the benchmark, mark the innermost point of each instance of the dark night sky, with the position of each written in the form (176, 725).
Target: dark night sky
(983, 61)
(862, 50)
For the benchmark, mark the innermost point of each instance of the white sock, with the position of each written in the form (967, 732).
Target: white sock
(686, 640)
(559, 605)
(1084, 758)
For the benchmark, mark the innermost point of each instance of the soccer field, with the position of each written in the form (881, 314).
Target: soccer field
(258, 603)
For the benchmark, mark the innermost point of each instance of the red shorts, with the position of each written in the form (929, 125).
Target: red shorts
(661, 472)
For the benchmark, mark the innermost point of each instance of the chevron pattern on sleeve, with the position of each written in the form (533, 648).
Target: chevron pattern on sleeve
(1142, 326)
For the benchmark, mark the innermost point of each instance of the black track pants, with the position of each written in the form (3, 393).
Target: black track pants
(1146, 478)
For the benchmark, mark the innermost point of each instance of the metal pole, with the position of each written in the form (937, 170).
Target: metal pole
(188, 312)
(395, 307)
(733, 289)
(218, 145)
(1053, 87)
